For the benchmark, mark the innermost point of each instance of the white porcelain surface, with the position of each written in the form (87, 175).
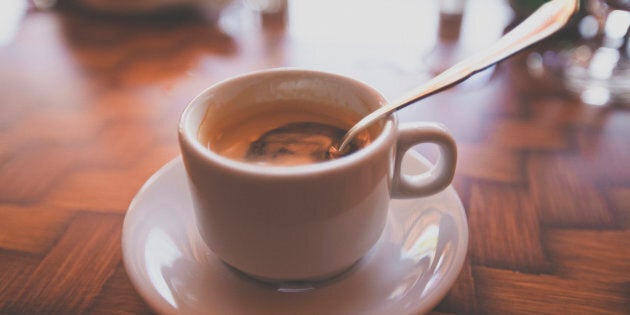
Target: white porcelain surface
(321, 218)
(408, 271)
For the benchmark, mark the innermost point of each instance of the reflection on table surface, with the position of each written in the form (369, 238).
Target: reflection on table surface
(91, 94)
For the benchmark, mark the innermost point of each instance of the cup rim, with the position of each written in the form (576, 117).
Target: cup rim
(379, 143)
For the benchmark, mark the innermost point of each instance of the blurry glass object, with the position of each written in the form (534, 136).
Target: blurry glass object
(595, 64)
(451, 14)
(465, 28)
(447, 50)
(266, 6)
(272, 12)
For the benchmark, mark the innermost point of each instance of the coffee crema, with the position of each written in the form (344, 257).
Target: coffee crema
(282, 133)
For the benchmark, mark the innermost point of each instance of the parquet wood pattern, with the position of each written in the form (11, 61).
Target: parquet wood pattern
(89, 106)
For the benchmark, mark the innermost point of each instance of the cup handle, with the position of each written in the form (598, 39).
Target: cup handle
(433, 180)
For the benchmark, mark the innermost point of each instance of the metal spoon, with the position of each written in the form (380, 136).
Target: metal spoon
(545, 21)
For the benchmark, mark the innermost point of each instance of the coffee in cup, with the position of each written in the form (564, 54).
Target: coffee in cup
(281, 133)
(283, 219)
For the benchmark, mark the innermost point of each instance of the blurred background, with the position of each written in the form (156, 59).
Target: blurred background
(407, 40)
(91, 92)
(382, 38)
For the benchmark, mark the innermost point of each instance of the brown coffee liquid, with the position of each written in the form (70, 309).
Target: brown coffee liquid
(297, 143)
(284, 135)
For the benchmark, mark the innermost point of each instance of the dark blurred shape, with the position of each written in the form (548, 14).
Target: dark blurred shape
(44, 4)
(143, 7)
(136, 49)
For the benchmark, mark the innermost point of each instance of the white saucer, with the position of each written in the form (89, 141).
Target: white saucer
(408, 271)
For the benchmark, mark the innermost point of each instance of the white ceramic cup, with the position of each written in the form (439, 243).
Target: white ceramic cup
(310, 221)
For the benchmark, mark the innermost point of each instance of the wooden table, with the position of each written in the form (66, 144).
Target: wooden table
(89, 106)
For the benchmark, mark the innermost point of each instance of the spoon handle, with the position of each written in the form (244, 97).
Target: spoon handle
(545, 21)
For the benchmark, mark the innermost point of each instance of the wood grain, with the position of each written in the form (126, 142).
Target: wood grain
(90, 102)
(74, 271)
(504, 229)
(511, 292)
(32, 229)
